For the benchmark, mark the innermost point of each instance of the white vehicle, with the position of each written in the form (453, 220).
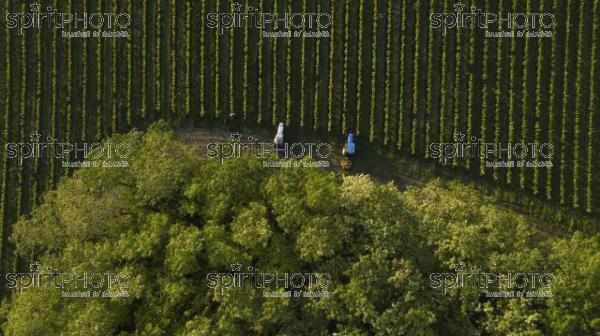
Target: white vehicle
(279, 140)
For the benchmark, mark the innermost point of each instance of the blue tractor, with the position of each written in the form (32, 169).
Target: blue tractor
(348, 151)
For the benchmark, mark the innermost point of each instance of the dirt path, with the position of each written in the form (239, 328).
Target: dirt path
(373, 164)
(201, 137)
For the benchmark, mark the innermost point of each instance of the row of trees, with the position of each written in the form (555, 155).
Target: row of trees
(384, 72)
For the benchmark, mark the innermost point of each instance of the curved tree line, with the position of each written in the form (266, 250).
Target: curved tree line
(384, 72)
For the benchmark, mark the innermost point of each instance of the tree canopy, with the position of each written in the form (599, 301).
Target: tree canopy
(173, 218)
